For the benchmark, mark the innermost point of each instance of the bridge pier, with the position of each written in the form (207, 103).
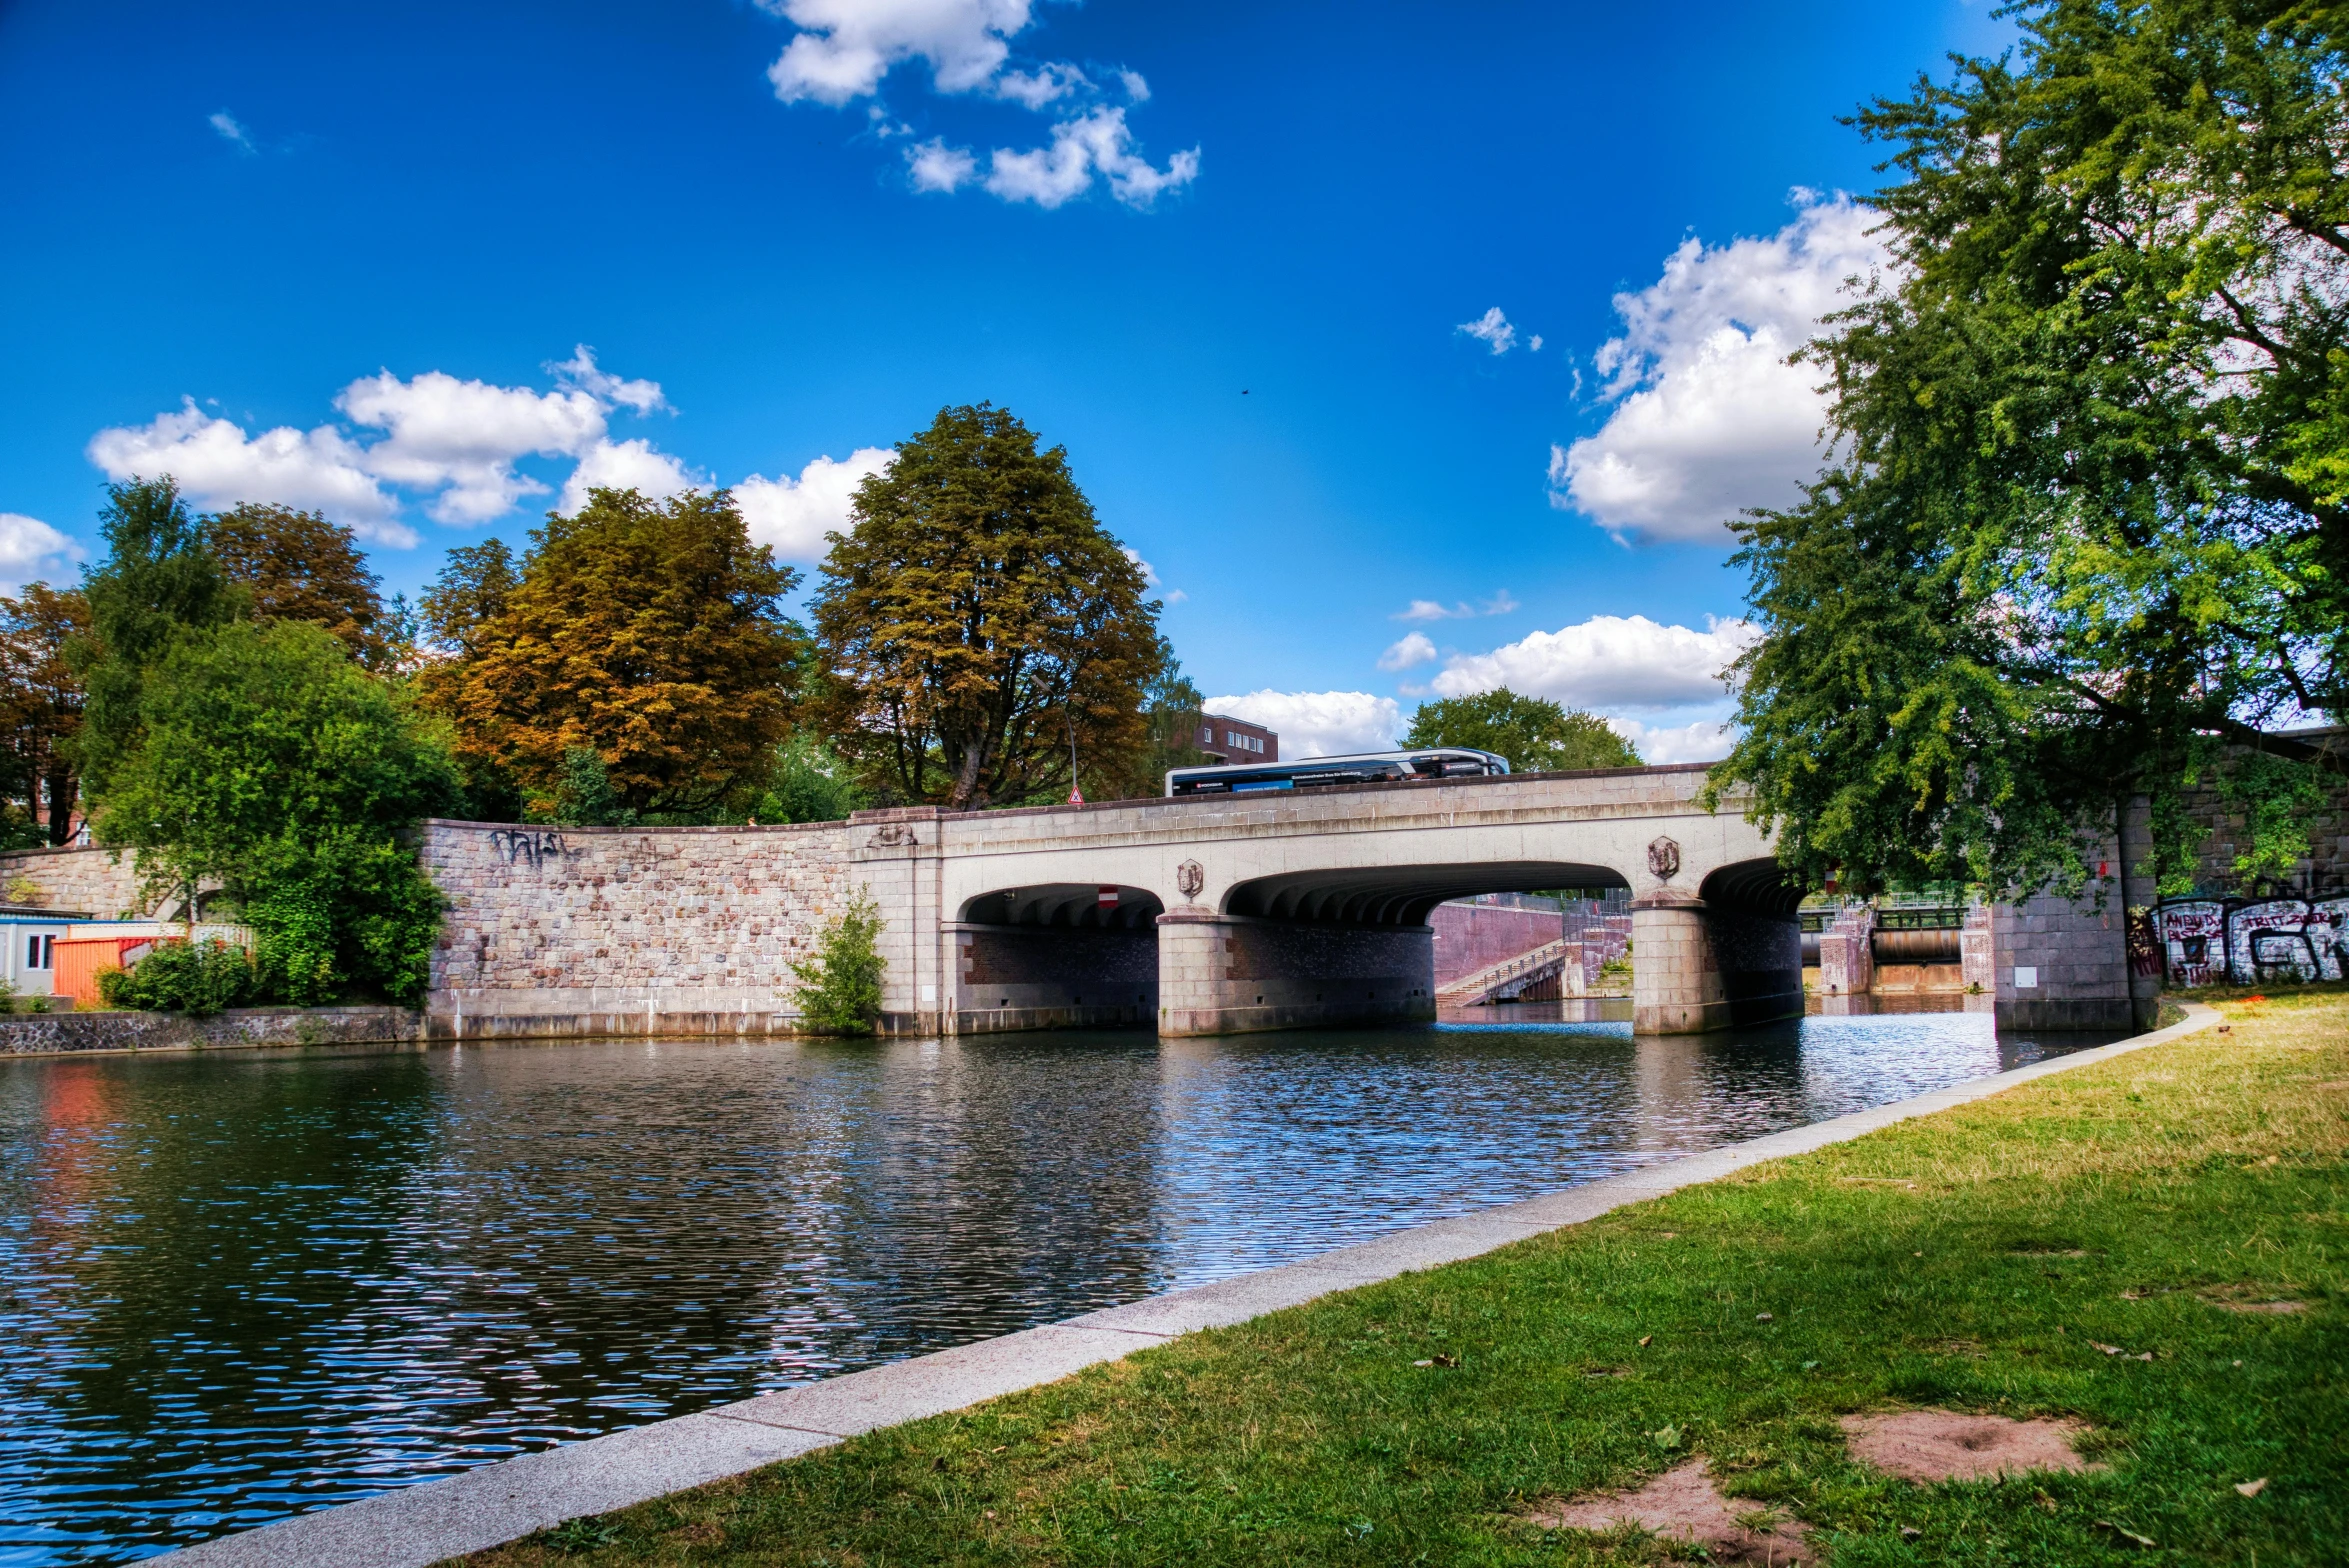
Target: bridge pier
(1233, 974)
(1696, 968)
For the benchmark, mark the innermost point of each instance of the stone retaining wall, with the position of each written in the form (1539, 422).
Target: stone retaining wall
(89, 880)
(46, 1034)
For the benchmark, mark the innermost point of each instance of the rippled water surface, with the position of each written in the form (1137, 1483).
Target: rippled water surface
(236, 1286)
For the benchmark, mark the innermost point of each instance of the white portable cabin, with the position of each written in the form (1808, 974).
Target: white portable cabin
(28, 951)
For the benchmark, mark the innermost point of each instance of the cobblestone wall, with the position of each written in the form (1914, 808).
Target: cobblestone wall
(88, 880)
(677, 930)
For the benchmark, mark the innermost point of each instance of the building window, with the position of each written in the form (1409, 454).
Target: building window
(40, 952)
(1206, 734)
(1240, 742)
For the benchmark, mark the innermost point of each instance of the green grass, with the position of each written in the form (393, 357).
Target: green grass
(1975, 1260)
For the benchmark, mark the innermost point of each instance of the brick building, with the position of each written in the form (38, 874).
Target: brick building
(1227, 739)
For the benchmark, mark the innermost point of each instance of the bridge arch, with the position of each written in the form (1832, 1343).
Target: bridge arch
(1055, 955)
(1401, 895)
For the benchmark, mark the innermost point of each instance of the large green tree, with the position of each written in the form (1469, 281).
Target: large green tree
(159, 579)
(648, 632)
(2087, 516)
(978, 622)
(1534, 733)
(269, 764)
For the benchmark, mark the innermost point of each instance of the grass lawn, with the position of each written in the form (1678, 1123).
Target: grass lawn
(1978, 1260)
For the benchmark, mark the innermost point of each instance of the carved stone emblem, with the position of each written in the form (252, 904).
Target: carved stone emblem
(892, 835)
(1664, 859)
(1190, 877)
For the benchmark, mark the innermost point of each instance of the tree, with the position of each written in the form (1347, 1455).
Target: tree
(648, 632)
(299, 566)
(1534, 733)
(839, 989)
(470, 594)
(2088, 513)
(1171, 708)
(268, 762)
(811, 783)
(977, 620)
(41, 698)
(159, 580)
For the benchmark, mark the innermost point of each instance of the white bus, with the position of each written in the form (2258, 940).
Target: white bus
(1370, 767)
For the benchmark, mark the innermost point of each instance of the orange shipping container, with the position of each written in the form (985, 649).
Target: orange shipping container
(81, 959)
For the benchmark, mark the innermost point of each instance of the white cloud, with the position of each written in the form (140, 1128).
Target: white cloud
(1709, 418)
(626, 465)
(1318, 723)
(845, 47)
(462, 437)
(1046, 84)
(582, 372)
(1534, 345)
(934, 166)
(1493, 330)
(1096, 142)
(1706, 740)
(1607, 662)
(26, 542)
(217, 465)
(230, 131)
(454, 441)
(1137, 90)
(1501, 603)
(794, 515)
(1414, 648)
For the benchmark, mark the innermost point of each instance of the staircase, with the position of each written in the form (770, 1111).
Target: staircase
(1499, 982)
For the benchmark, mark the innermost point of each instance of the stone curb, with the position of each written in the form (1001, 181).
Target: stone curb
(424, 1524)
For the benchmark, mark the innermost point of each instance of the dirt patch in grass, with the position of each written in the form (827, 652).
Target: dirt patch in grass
(1943, 1445)
(2253, 1298)
(1684, 1506)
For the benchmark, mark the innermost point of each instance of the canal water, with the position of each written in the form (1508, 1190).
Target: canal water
(240, 1285)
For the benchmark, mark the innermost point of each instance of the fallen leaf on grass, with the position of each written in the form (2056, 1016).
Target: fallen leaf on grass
(2125, 1533)
(1646, 1339)
(1438, 1361)
(1761, 1317)
(1666, 1437)
(2252, 1488)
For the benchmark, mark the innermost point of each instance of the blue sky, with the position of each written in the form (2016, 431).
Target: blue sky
(1227, 254)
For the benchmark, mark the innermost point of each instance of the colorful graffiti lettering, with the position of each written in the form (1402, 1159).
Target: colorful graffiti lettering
(2207, 941)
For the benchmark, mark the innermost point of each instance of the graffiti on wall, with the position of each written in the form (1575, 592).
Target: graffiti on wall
(2245, 941)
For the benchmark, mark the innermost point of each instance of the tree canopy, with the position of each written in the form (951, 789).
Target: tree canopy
(2087, 515)
(978, 618)
(270, 763)
(1534, 733)
(41, 702)
(648, 632)
(300, 566)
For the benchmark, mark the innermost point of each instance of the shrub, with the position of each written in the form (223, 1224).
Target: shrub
(195, 978)
(840, 988)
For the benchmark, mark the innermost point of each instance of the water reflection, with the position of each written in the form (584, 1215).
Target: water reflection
(237, 1286)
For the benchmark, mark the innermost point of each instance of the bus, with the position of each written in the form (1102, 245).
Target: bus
(1370, 767)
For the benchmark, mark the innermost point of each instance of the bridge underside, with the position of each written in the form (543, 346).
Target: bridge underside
(1345, 946)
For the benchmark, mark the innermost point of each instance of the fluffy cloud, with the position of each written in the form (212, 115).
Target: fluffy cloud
(1094, 143)
(1318, 723)
(463, 437)
(1493, 330)
(1706, 740)
(454, 441)
(1606, 662)
(1709, 419)
(626, 465)
(934, 166)
(26, 543)
(845, 47)
(1432, 610)
(794, 515)
(1413, 649)
(218, 465)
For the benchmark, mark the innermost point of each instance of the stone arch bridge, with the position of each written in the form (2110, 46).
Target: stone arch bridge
(1211, 915)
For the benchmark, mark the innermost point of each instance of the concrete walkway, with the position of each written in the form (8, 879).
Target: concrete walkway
(502, 1502)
